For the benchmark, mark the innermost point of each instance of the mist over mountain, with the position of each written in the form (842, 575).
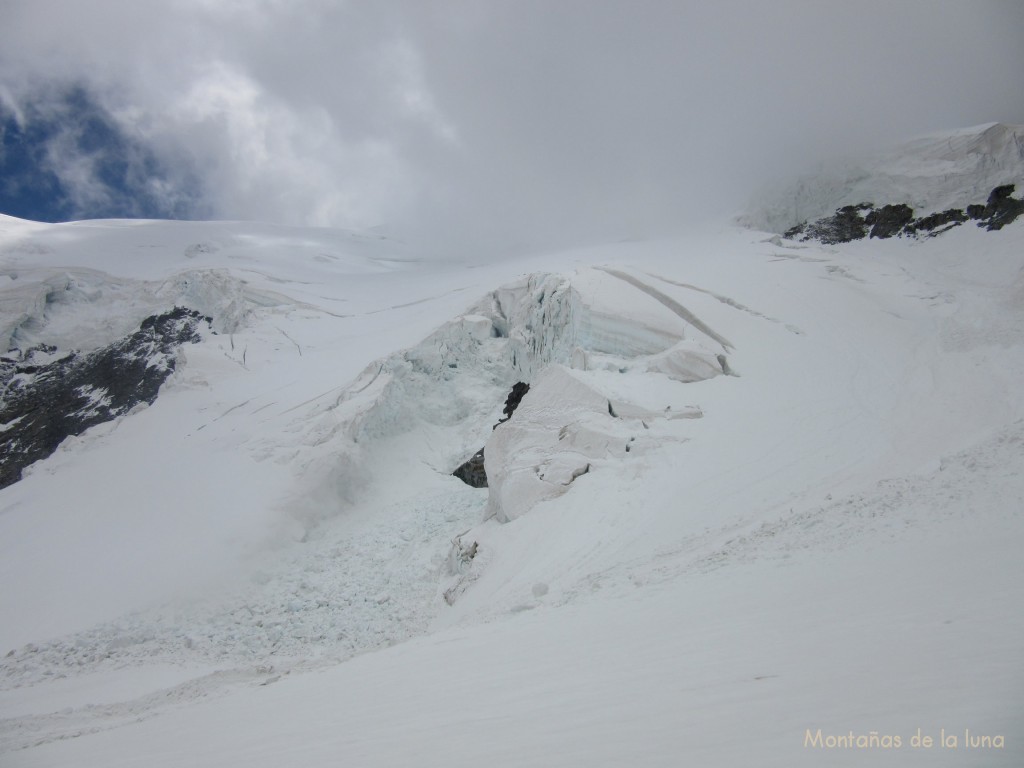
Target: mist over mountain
(502, 128)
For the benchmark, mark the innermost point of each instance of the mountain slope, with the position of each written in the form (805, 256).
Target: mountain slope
(755, 488)
(930, 174)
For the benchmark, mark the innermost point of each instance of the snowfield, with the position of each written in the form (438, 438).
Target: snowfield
(761, 505)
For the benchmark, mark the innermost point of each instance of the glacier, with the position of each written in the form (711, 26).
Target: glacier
(756, 487)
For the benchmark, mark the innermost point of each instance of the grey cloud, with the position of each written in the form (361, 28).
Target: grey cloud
(490, 126)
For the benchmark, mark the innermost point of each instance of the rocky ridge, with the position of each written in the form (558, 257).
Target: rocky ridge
(47, 396)
(856, 222)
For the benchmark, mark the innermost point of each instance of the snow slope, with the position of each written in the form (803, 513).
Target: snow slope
(756, 489)
(931, 173)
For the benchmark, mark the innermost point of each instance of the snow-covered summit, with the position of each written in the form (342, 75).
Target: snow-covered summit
(930, 174)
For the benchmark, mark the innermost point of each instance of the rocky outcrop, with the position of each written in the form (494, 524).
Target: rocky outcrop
(472, 471)
(939, 222)
(848, 223)
(855, 222)
(889, 220)
(1002, 209)
(515, 397)
(46, 396)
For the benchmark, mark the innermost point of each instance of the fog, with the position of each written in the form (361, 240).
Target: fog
(486, 127)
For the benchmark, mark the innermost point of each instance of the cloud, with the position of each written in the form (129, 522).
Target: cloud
(64, 156)
(269, 159)
(511, 124)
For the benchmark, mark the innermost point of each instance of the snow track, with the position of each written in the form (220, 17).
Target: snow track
(672, 304)
(929, 506)
(723, 299)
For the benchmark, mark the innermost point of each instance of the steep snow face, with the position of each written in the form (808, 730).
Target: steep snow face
(930, 174)
(564, 428)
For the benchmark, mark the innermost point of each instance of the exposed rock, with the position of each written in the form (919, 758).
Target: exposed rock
(795, 232)
(515, 397)
(889, 220)
(1002, 208)
(472, 472)
(855, 222)
(848, 223)
(936, 223)
(976, 211)
(45, 398)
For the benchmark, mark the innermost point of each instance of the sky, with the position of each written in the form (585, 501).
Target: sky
(481, 126)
